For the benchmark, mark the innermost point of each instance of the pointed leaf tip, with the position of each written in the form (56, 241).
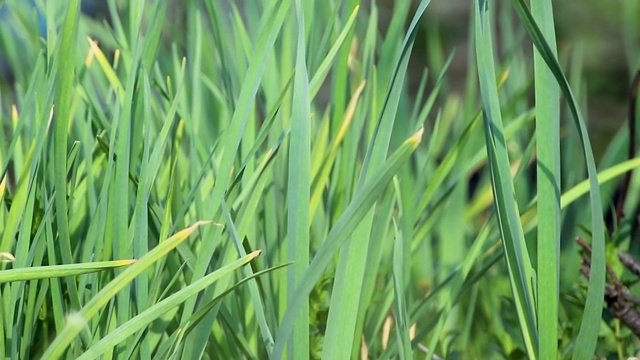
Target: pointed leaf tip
(416, 138)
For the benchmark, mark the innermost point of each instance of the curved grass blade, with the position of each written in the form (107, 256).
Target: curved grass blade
(517, 256)
(530, 216)
(589, 328)
(154, 312)
(73, 328)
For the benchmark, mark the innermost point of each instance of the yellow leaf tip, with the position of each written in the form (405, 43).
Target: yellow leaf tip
(6, 257)
(417, 137)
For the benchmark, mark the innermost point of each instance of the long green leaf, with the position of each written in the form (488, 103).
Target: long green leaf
(298, 192)
(154, 312)
(339, 234)
(518, 261)
(77, 322)
(53, 271)
(64, 97)
(350, 274)
(589, 328)
(548, 180)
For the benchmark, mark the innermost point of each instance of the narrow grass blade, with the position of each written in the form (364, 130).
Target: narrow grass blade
(400, 305)
(352, 262)
(78, 322)
(53, 271)
(339, 234)
(518, 261)
(64, 97)
(258, 307)
(154, 312)
(321, 74)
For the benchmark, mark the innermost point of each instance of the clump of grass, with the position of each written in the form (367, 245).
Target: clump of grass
(262, 182)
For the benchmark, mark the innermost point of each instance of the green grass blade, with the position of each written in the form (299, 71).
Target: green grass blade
(78, 322)
(154, 312)
(274, 18)
(54, 271)
(298, 192)
(547, 97)
(64, 98)
(400, 305)
(320, 75)
(589, 328)
(339, 234)
(350, 274)
(253, 287)
(518, 261)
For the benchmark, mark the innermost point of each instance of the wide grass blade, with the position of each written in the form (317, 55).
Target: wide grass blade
(547, 109)
(350, 274)
(589, 328)
(298, 192)
(339, 234)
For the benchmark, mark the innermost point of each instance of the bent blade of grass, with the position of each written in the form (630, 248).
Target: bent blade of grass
(518, 260)
(73, 328)
(589, 328)
(547, 98)
(606, 175)
(154, 312)
(339, 234)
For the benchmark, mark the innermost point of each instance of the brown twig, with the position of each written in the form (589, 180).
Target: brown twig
(617, 295)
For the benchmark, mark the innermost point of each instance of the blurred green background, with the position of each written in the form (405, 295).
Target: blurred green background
(591, 38)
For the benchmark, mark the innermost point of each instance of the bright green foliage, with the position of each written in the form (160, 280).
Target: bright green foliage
(275, 179)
